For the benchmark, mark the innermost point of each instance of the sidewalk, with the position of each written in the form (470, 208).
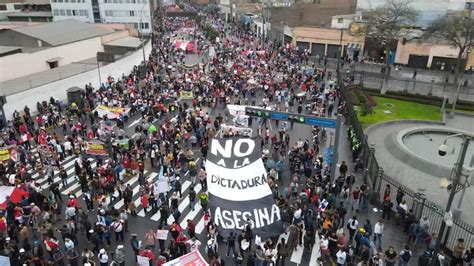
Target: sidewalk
(393, 233)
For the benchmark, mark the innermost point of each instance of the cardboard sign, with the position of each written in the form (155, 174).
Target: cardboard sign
(4, 154)
(162, 234)
(186, 95)
(95, 148)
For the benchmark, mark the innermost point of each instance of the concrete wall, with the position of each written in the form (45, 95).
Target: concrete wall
(23, 64)
(58, 89)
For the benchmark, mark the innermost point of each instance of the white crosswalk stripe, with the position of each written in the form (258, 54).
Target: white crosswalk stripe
(197, 216)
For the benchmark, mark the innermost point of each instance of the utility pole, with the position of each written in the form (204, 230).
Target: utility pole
(452, 192)
(98, 69)
(340, 52)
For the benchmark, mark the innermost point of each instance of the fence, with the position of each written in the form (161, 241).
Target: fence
(377, 179)
(413, 86)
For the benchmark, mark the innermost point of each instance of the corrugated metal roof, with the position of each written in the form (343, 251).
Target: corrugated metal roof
(62, 32)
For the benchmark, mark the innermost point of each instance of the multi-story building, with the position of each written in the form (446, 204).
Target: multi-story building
(136, 12)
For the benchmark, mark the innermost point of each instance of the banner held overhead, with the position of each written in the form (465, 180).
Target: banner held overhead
(239, 194)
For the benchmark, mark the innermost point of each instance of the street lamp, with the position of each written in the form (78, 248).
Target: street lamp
(140, 27)
(456, 185)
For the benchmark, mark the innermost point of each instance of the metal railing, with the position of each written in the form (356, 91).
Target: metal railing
(377, 179)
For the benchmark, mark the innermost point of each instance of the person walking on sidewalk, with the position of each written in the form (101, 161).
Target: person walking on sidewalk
(378, 233)
(405, 256)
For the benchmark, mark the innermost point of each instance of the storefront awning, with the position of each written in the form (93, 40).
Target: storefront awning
(353, 46)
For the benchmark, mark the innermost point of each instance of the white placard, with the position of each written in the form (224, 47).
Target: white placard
(162, 234)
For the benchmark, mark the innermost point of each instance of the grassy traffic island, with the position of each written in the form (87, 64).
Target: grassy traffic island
(373, 108)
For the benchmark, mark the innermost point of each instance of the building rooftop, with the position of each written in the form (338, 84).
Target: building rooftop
(8, 49)
(20, 84)
(131, 42)
(63, 32)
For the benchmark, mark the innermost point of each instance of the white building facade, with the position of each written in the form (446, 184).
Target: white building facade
(135, 12)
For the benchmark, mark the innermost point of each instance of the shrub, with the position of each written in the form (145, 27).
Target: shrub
(367, 109)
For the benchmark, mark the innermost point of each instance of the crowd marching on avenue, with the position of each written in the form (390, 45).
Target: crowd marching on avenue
(122, 173)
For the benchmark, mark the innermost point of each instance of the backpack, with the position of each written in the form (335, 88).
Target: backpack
(406, 256)
(210, 251)
(467, 256)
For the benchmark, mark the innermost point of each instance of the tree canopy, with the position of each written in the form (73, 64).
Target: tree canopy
(457, 30)
(386, 22)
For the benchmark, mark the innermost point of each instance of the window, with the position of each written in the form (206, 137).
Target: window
(17, 7)
(81, 13)
(3, 7)
(55, 12)
(132, 13)
(135, 25)
(62, 12)
(68, 12)
(74, 12)
(86, 13)
(73, 1)
(134, 1)
(127, 1)
(60, 1)
(115, 1)
(108, 13)
(144, 25)
(66, 1)
(340, 20)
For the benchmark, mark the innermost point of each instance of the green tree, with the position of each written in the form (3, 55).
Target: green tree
(386, 24)
(458, 31)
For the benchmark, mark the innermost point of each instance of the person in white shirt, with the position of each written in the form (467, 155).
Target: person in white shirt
(324, 246)
(103, 258)
(341, 257)
(193, 244)
(378, 232)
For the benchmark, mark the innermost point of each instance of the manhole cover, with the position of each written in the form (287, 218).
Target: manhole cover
(387, 111)
(390, 105)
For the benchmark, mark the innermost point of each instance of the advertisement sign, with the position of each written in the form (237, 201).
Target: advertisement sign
(238, 188)
(96, 148)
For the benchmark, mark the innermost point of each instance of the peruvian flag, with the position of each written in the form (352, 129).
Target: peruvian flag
(15, 194)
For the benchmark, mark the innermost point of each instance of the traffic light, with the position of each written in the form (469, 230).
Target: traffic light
(291, 117)
(296, 118)
(257, 112)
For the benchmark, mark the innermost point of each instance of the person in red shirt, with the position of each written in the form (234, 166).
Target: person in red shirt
(191, 228)
(144, 201)
(149, 254)
(3, 225)
(181, 241)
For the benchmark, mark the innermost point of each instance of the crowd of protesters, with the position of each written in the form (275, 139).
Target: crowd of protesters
(317, 207)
